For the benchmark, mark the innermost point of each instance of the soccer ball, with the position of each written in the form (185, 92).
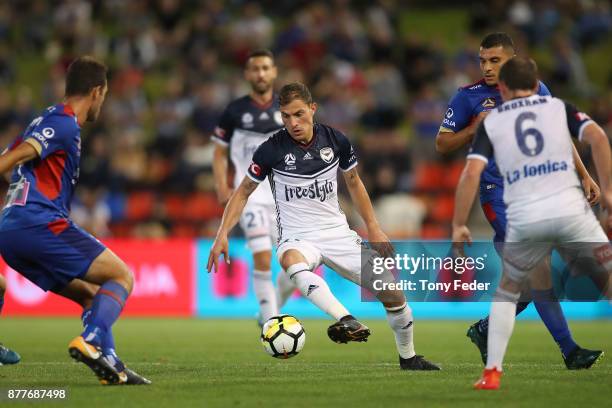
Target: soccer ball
(283, 336)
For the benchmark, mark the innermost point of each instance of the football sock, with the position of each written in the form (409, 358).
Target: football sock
(501, 324)
(315, 289)
(1, 302)
(401, 322)
(106, 308)
(264, 291)
(551, 313)
(483, 324)
(108, 343)
(284, 289)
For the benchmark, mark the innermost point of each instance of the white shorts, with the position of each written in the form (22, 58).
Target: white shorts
(580, 241)
(340, 249)
(258, 222)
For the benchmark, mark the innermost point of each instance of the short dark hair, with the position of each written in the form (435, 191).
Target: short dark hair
(293, 91)
(497, 40)
(84, 74)
(262, 52)
(519, 73)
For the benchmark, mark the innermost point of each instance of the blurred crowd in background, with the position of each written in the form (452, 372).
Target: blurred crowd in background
(174, 65)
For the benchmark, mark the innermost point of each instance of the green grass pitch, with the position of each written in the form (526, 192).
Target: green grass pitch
(220, 363)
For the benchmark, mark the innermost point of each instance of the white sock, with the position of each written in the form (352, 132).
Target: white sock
(284, 289)
(315, 289)
(401, 322)
(501, 324)
(266, 296)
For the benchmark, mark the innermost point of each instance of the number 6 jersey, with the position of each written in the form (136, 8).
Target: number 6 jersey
(530, 139)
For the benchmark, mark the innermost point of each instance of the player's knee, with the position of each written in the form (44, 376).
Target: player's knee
(292, 257)
(126, 278)
(391, 298)
(262, 260)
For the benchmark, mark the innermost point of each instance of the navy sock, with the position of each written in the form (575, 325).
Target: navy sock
(550, 311)
(105, 310)
(483, 324)
(108, 343)
(1, 302)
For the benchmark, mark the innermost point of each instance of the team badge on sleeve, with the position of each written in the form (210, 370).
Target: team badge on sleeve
(255, 169)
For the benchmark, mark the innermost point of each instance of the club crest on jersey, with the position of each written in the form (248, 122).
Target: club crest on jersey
(289, 159)
(247, 120)
(327, 154)
(488, 103)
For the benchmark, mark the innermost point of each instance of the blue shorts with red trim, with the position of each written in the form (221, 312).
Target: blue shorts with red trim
(495, 211)
(50, 255)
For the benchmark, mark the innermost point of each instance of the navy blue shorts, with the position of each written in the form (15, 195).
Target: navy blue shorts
(50, 255)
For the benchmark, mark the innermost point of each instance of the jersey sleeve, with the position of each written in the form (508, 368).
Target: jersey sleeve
(457, 116)
(481, 148)
(543, 89)
(262, 163)
(225, 128)
(576, 120)
(346, 155)
(52, 134)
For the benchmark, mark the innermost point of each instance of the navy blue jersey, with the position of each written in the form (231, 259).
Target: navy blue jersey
(304, 178)
(244, 126)
(41, 190)
(463, 108)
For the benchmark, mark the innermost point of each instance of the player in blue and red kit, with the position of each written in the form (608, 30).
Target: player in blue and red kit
(466, 110)
(38, 239)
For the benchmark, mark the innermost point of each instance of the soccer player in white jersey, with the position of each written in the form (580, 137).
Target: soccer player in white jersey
(245, 124)
(301, 163)
(530, 138)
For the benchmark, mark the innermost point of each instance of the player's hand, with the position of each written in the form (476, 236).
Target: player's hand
(479, 118)
(461, 233)
(591, 190)
(380, 242)
(220, 246)
(224, 194)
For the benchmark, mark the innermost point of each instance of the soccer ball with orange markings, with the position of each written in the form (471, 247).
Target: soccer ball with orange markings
(283, 336)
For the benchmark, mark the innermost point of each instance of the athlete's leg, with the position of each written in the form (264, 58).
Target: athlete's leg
(313, 287)
(546, 304)
(83, 293)
(7, 356)
(2, 291)
(116, 282)
(262, 284)
(284, 289)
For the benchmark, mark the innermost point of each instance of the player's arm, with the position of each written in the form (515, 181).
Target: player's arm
(595, 136)
(378, 239)
(222, 137)
(478, 159)
(24, 152)
(591, 189)
(458, 127)
(231, 215)
(448, 141)
(220, 164)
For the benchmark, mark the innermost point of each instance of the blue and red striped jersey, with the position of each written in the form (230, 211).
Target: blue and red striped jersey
(41, 190)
